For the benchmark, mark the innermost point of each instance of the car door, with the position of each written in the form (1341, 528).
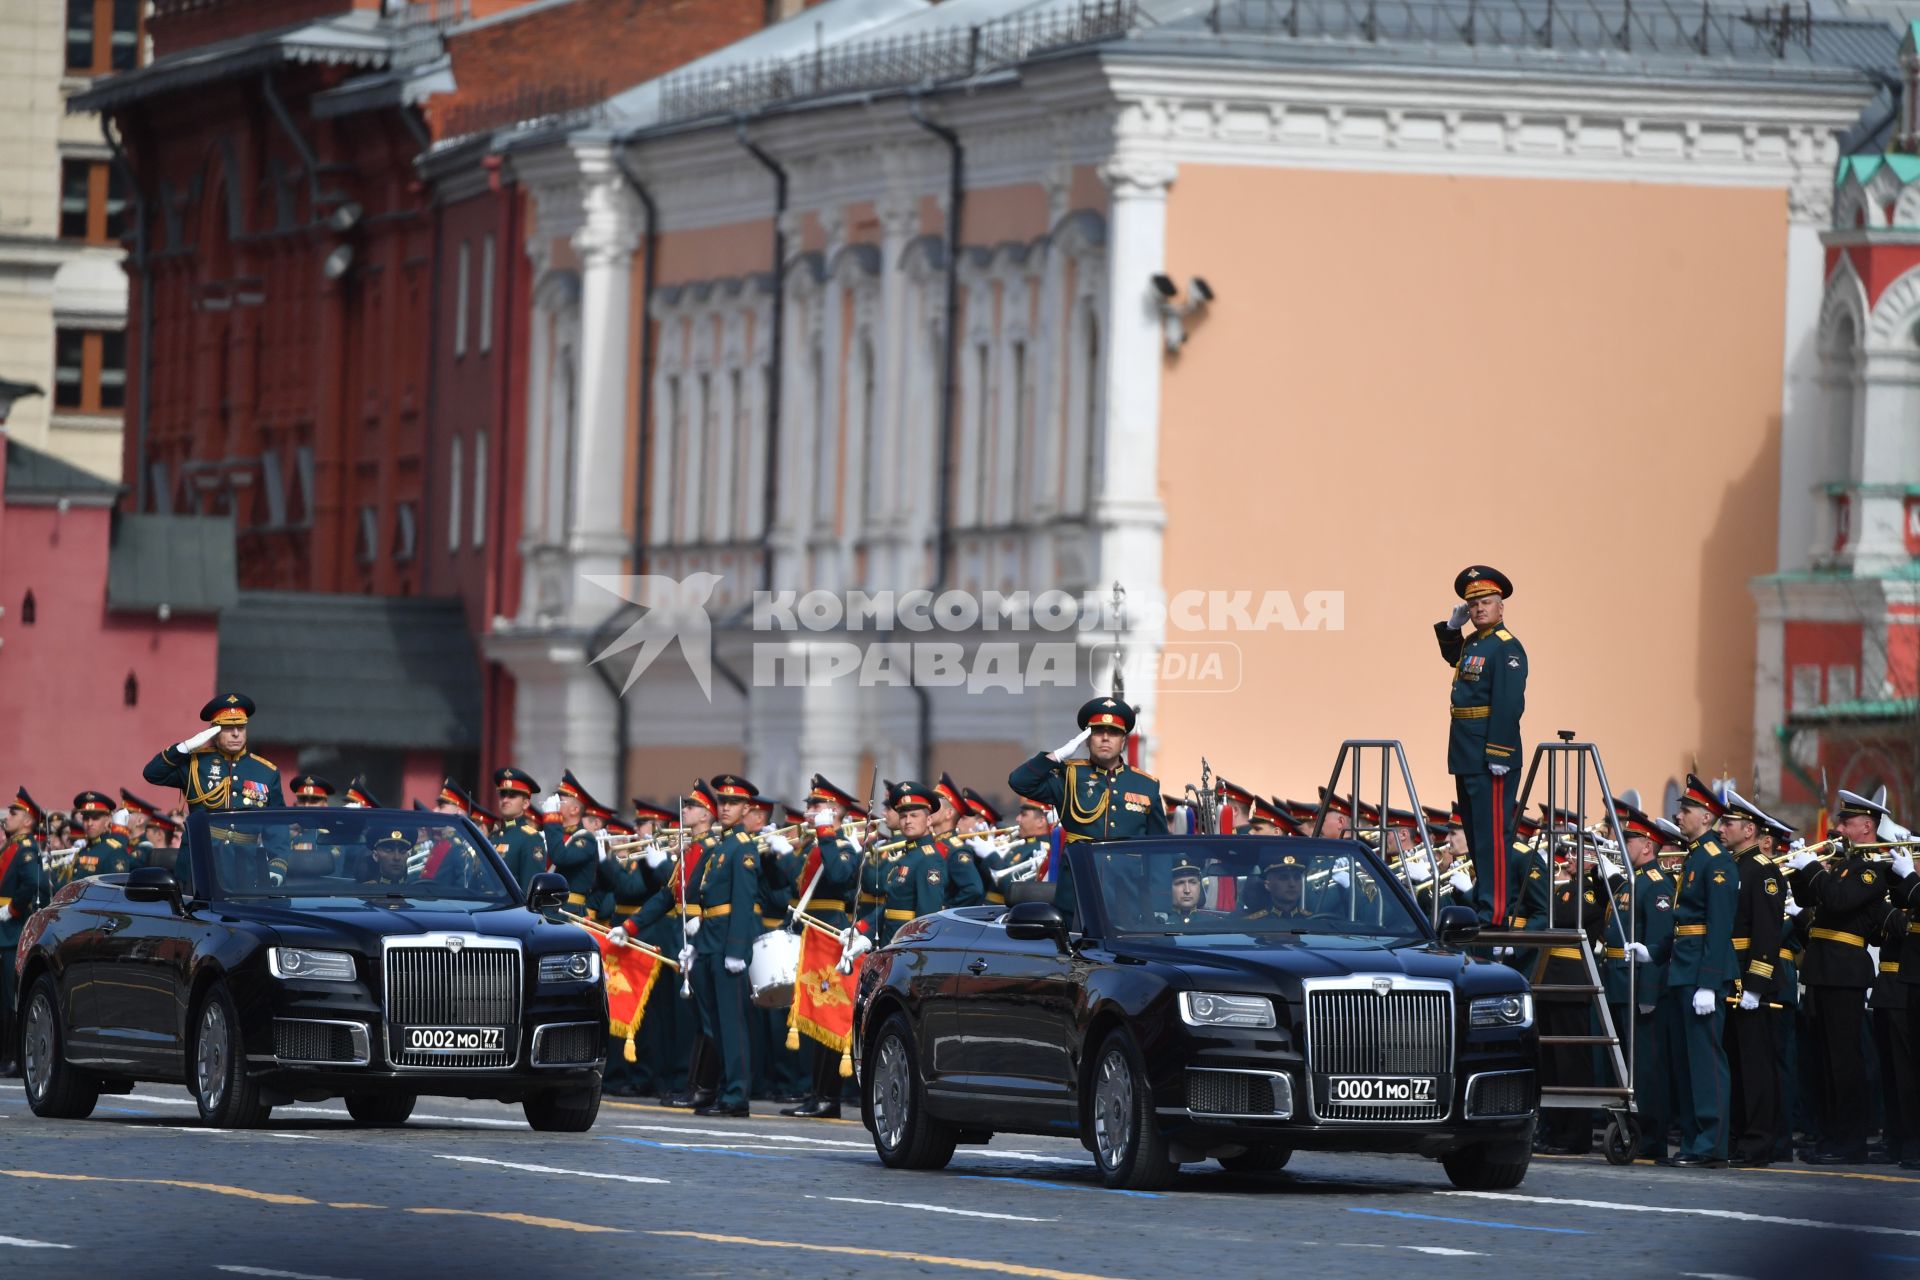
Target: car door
(138, 974)
(932, 979)
(1018, 1005)
(85, 926)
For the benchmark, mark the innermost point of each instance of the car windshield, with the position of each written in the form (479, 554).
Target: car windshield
(349, 853)
(1220, 893)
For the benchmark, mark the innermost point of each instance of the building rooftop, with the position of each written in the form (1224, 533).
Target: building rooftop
(33, 473)
(183, 562)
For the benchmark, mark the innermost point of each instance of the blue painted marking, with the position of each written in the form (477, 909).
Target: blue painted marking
(124, 1111)
(1471, 1222)
(711, 1151)
(1059, 1186)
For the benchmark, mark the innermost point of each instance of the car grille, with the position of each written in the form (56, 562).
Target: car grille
(568, 1044)
(298, 1040)
(1502, 1093)
(1359, 1033)
(1239, 1093)
(435, 986)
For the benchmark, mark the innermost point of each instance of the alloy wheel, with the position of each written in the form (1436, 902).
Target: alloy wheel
(1113, 1108)
(37, 1047)
(892, 1089)
(212, 1056)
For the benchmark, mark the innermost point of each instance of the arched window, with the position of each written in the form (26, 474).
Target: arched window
(130, 692)
(29, 611)
(1837, 462)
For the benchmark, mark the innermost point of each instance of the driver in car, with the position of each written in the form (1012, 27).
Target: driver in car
(390, 848)
(1285, 880)
(1188, 895)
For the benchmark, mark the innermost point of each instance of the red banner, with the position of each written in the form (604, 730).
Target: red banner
(631, 973)
(823, 997)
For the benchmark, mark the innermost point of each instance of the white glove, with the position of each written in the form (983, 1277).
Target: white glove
(981, 846)
(1341, 877)
(852, 837)
(617, 936)
(655, 857)
(686, 957)
(198, 740)
(821, 818)
(121, 818)
(1749, 1002)
(1639, 952)
(1703, 1002)
(1607, 868)
(1460, 880)
(1417, 867)
(1503, 953)
(1799, 860)
(1497, 770)
(1902, 864)
(550, 805)
(736, 965)
(1066, 750)
(1793, 908)
(779, 843)
(693, 925)
(1458, 618)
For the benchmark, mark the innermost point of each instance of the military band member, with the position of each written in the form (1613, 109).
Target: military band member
(213, 769)
(729, 922)
(567, 829)
(913, 876)
(832, 869)
(107, 849)
(1752, 1050)
(1700, 974)
(19, 887)
(668, 921)
(1903, 894)
(1838, 972)
(518, 839)
(1529, 879)
(1642, 925)
(1483, 744)
(1886, 1016)
(966, 880)
(311, 791)
(1033, 827)
(779, 1073)
(140, 815)
(1102, 798)
(360, 795)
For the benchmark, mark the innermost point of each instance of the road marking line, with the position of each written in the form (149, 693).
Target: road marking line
(1831, 1173)
(525, 1219)
(1442, 1251)
(219, 1189)
(1730, 1215)
(686, 1146)
(547, 1168)
(932, 1208)
(337, 1113)
(1469, 1222)
(268, 1271)
(850, 1251)
(1712, 1275)
(348, 1204)
(18, 1243)
(1058, 1186)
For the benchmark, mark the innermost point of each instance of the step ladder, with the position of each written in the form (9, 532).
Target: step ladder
(1389, 762)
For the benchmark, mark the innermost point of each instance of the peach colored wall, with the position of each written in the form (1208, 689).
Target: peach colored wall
(710, 253)
(659, 773)
(1578, 383)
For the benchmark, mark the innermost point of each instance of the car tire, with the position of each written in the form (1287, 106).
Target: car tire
(1123, 1129)
(1475, 1170)
(55, 1091)
(570, 1111)
(381, 1108)
(1258, 1160)
(217, 1077)
(904, 1134)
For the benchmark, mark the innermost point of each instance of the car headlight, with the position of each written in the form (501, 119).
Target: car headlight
(314, 966)
(1502, 1011)
(1209, 1009)
(574, 966)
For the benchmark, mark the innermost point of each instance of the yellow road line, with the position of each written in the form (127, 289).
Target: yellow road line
(929, 1259)
(526, 1219)
(219, 1189)
(1831, 1173)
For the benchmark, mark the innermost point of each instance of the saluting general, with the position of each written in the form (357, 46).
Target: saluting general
(1100, 797)
(1483, 742)
(213, 769)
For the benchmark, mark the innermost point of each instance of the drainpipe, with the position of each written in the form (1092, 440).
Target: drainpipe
(143, 270)
(308, 160)
(776, 343)
(949, 373)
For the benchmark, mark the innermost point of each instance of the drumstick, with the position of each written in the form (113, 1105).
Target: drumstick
(635, 943)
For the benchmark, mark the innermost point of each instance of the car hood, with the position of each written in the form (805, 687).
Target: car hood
(1284, 965)
(363, 926)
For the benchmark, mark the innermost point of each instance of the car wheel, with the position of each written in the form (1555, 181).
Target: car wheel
(563, 1112)
(217, 1066)
(1258, 1160)
(380, 1108)
(1475, 1170)
(1127, 1141)
(55, 1090)
(903, 1133)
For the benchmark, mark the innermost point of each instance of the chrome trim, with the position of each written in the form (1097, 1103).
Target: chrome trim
(493, 987)
(533, 1054)
(1370, 983)
(1282, 1082)
(1467, 1106)
(362, 1044)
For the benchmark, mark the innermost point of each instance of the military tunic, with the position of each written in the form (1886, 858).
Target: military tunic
(1650, 908)
(1094, 804)
(212, 779)
(966, 881)
(729, 922)
(519, 845)
(1703, 958)
(103, 857)
(19, 885)
(915, 885)
(1837, 972)
(575, 854)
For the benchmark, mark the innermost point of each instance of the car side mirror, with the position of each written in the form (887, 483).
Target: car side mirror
(1035, 921)
(1459, 924)
(547, 891)
(152, 884)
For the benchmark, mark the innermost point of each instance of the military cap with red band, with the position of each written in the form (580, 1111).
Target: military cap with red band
(509, 778)
(1634, 822)
(1700, 795)
(358, 793)
(95, 802)
(1107, 713)
(1478, 580)
(977, 805)
(648, 811)
(25, 803)
(228, 709)
(950, 790)
(308, 786)
(702, 794)
(912, 795)
(821, 789)
(453, 793)
(731, 786)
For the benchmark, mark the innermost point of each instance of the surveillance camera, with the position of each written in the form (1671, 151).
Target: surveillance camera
(1164, 286)
(1200, 289)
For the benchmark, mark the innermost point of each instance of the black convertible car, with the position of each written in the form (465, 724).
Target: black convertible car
(1177, 999)
(297, 955)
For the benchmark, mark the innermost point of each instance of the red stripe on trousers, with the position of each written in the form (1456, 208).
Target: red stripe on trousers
(1499, 852)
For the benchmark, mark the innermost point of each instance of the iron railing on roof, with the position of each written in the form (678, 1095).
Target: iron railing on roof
(1604, 26)
(954, 53)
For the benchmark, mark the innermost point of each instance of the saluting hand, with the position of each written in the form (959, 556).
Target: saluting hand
(1071, 747)
(1458, 618)
(198, 740)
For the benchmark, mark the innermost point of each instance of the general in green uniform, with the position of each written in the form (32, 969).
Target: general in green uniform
(213, 769)
(1489, 695)
(19, 885)
(1101, 797)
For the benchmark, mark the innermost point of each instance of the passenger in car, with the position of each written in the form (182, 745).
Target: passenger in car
(387, 860)
(1285, 882)
(1189, 896)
